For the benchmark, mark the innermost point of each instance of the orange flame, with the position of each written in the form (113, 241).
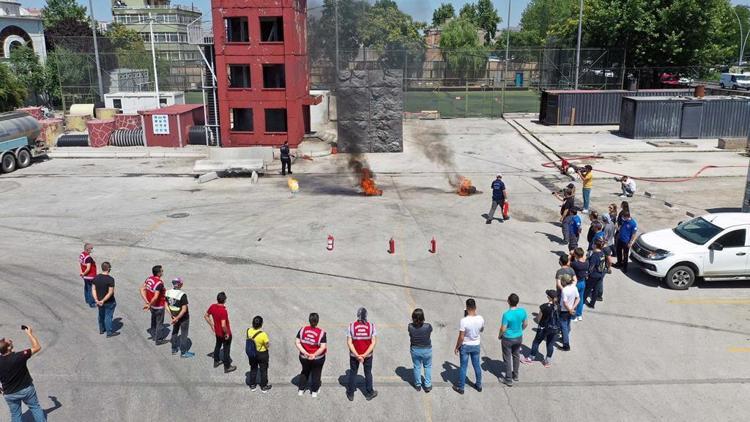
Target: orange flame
(369, 188)
(465, 188)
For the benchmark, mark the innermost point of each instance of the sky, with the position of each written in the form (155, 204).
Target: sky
(420, 9)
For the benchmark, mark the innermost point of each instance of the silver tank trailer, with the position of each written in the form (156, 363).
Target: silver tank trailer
(17, 124)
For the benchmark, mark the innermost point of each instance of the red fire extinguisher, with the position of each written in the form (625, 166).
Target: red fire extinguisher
(330, 242)
(433, 246)
(391, 246)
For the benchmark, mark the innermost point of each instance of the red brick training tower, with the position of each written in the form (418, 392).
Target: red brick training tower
(262, 71)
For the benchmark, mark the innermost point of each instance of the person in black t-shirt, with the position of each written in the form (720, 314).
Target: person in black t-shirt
(568, 202)
(103, 290)
(17, 385)
(549, 325)
(286, 159)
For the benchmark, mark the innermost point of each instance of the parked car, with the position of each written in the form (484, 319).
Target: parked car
(735, 80)
(672, 80)
(712, 247)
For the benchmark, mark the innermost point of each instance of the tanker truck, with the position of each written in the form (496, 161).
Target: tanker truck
(19, 140)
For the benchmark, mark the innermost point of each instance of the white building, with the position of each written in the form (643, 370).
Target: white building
(20, 26)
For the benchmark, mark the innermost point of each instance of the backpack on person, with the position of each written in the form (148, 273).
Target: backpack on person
(553, 322)
(251, 349)
(597, 265)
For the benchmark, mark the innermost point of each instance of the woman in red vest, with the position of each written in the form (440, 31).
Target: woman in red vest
(311, 343)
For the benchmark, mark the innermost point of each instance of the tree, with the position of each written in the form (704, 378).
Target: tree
(487, 19)
(392, 33)
(25, 65)
(129, 48)
(540, 16)
(322, 31)
(58, 12)
(469, 12)
(12, 92)
(442, 14)
(463, 51)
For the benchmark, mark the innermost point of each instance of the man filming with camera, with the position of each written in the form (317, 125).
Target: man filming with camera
(17, 385)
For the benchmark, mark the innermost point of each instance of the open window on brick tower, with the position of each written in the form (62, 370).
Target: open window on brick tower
(271, 29)
(239, 75)
(241, 120)
(274, 76)
(237, 29)
(276, 120)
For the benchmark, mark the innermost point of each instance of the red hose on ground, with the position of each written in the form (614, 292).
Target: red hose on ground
(564, 164)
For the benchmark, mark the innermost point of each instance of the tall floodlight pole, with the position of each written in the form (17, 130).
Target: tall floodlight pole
(153, 59)
(507, 59)
(578, 49)
(96, 51)
(743, 38)
(336, 19)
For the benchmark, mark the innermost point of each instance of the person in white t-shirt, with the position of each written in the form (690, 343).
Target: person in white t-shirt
(568, 303)
(628, 187)
(467, 345)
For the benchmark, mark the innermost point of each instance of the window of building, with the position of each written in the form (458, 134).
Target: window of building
(117, 103)
(274, 76)
(237, 29)
(271, 29)
(241, 120)
(276, 120)
(239, 75)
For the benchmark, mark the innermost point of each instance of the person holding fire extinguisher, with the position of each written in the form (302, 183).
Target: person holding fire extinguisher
(499, 198)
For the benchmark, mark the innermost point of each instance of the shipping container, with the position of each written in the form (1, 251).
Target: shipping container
(685, 117)
(593, 107)
(651, 117)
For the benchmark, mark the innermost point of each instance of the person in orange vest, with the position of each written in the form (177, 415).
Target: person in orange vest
(311, 343)
(153, 294)
(88, 272)
(362, 339)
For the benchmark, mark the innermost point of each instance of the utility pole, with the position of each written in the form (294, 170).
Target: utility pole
(96, 51)
(153, 59)
(336, 19)
(578, 49)
(507, 59)
(743, 38)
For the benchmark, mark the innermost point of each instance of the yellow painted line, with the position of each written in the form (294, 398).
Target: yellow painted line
(738, 350)
(711, 301)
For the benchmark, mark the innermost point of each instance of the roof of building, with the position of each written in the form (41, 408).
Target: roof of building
(173, 109)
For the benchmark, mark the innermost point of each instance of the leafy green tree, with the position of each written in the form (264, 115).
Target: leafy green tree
(465, 56)
(58, 12)
(392, 33)
(487, 19)
(322, 31)
(70, 70)
(469, 12)
(12, 91)
(25, 65)
(442, 14)
(539, 17)
(129, 47)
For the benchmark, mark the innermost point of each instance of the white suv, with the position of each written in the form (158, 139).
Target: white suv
(715, 247)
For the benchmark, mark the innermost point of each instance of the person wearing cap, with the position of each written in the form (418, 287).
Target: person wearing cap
(177, 303)
(569, 299)
(549, 324)
(499, 196)
(587, 177)
(361, 339)
(568, 202)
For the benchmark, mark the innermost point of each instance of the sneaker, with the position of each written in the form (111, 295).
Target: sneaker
(315, 395)
(600, 299)
(253, 387)
(418, 387)
(508, 382)
(479, 388)
(115, 334)
(266, 388)
(458, 390)
(488, 222)
(427, 389)
(350, 396)
(565, 348)
(187, 355)
(372, 395)
(160, 342)
(230, 369)
(585, 211)
(622, 195)
(101, 331)
(579, 318)
(217, 363)
(515, 378)
(527, 360)
(175, 351)
(301, 393)
(546, 363)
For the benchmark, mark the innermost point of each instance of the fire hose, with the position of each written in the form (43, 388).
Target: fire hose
(565, 164)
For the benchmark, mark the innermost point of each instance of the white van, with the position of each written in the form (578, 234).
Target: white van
(735, 81)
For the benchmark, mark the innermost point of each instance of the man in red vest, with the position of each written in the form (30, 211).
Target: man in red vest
(362, 339)
(88, 272)
(153, 294)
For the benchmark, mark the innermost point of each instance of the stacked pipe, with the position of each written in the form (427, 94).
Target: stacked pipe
(127, 138)
(73, 140)
(197, 135)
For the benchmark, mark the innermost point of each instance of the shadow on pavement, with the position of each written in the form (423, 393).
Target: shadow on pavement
(28, 417)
